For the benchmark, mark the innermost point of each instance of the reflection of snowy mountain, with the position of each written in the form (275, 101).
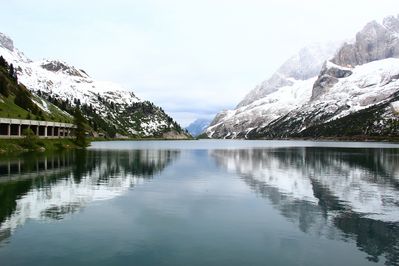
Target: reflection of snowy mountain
(90, 177)
(350, 193)
(367, 189)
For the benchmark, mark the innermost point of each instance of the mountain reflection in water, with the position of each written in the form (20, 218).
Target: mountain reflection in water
(52, 186)
(335, 193)
(234, 205)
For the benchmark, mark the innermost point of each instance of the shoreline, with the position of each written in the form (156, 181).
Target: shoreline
(394, 140)
(15, 147)
(337, 139)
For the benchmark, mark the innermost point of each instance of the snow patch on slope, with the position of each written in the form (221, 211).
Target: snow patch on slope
(395, 107)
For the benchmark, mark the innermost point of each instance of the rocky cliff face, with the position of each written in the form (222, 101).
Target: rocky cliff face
(328, 77)
(374, 42)
(6, 42)
(360, 77)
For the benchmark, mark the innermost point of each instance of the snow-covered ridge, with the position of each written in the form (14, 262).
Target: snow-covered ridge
(365, 86)
(104, 103)
(304, 65)
(368, 85)
(287, 89)
(320, 85)
(263, 111)
(64, 81)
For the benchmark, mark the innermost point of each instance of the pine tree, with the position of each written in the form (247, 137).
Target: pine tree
(80, 123)
(11, 71)
(3, 86)
(3, 62)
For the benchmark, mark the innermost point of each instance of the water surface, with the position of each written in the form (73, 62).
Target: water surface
(203, 203)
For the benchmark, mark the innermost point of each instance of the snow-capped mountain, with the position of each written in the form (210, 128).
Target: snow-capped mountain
(198, 127)
(108, 106)
(284, 91)
(357, 87)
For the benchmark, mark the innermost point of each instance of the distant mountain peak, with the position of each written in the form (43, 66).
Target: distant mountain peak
(6, 42)
(391, 23)
(308, 61)
(198, 127)
(306, 64)
(376, 41)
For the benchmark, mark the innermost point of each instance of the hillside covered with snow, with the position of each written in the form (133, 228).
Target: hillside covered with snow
(109, 107)
(355, 92)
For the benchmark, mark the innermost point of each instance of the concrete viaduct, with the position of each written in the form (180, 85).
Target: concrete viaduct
(13, 128)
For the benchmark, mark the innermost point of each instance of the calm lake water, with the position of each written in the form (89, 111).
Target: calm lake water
(202, 203)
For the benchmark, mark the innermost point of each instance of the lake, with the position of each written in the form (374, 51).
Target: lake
(205, 202)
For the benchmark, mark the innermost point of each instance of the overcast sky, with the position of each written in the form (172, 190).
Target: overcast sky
(193, 58)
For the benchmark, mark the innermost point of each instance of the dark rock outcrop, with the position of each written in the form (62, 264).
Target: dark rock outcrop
(56, 66)
(328, 77)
